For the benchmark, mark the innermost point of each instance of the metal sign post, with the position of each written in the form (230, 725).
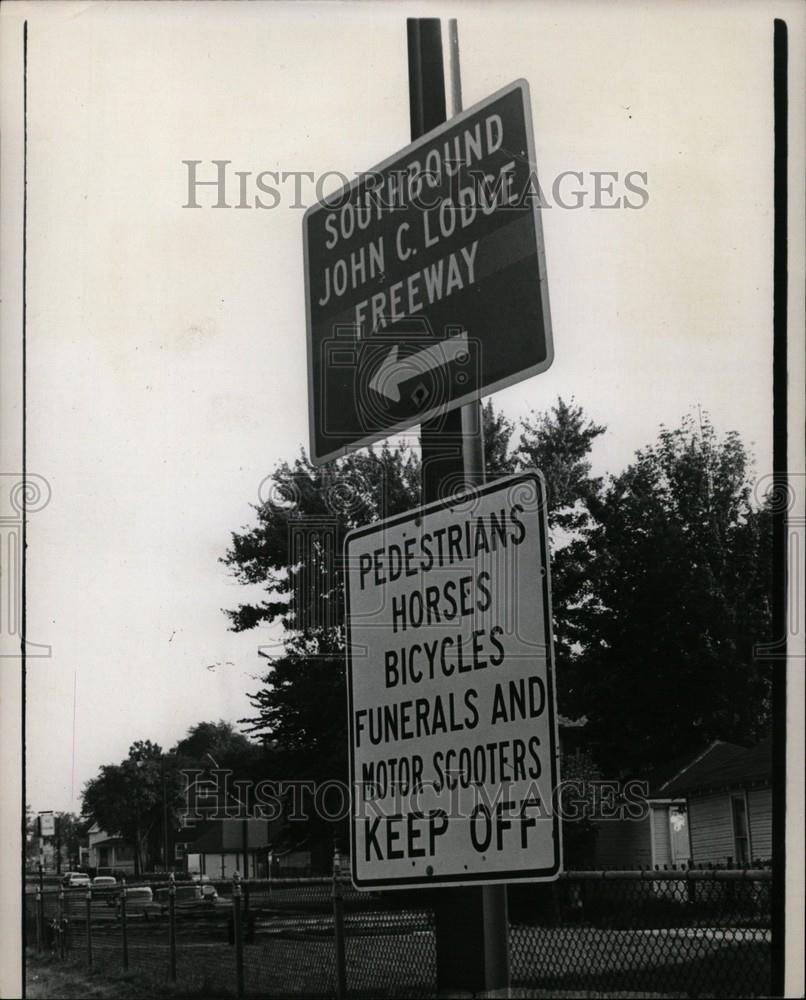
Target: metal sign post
(425, 290)
(477, 915)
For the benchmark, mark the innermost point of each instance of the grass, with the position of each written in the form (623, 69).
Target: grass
(298, 960)
(49, 978)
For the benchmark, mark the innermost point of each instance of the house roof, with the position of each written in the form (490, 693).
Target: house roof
(107, 840)
(723, 765)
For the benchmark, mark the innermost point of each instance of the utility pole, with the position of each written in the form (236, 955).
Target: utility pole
(164, 816)
(471, 923)
(58, 826)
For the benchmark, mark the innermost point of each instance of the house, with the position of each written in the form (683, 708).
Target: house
(728, 789)
(658, 840)
(109, 852)
(216, 847)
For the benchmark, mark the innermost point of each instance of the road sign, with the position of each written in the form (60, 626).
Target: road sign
(442, 240)
(451, 695)
(47, 824)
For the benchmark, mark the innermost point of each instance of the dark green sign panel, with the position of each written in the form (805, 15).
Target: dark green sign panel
(425, 279)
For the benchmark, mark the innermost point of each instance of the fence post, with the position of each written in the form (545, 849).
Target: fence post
(237, 930)
(89, 926)
(41, 905)
(39, 921)
(172, 924)
(124, 927)
(60, 918)
(338, 925)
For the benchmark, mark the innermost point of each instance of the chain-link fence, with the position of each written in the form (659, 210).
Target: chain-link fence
(686, 933)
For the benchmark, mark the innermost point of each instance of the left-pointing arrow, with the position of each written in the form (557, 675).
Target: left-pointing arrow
(393, 371)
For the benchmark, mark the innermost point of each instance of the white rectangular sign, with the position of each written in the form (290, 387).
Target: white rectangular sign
(451, 694)
(47, 824)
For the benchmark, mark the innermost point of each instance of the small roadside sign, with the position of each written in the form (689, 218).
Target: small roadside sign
(451, 693)
(425, 279)
(47, 824)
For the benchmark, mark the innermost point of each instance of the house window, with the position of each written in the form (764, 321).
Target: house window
(741, 828)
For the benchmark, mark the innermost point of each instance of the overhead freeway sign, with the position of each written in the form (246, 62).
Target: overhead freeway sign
(425, 279)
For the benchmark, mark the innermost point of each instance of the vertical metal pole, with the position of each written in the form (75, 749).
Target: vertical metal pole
(41, 900)
(172, 925)
(39, 926)
(89, 927)
(471, 415)
(164, 816)
(58, 826)
(494, 897)
(236, 923)
(124, 926)
(471, 924)
(338, 926)
(441, 438)
(60, 918)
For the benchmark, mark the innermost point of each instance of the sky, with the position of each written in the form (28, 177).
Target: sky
(166, 345)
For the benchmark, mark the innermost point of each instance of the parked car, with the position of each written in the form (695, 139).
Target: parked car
(209, 891)
(76, 880)
(106, 887)
(139, 902)
(188, 897)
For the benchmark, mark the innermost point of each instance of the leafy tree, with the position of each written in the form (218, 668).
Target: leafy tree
(558, 443)
(295, 548)
(295, 551)
(497, 431)
(679, 595)
(127, 798)
(300, 708)
(216, 741)
(72, 836)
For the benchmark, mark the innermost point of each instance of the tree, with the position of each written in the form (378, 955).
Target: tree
(217, 740)
(126, 799)
(72, 836)
(293, 550)
(558, 443)
(679, 595)
(497, 431)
